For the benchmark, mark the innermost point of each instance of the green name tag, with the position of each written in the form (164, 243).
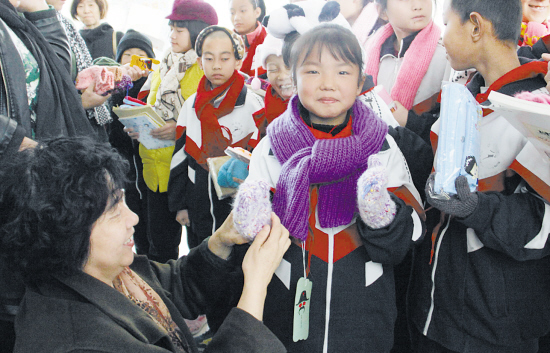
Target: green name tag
(301, 310)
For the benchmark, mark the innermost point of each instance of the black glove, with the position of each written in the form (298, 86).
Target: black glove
(460, 205)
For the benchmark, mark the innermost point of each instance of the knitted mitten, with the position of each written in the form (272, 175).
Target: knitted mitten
(376, 207)
(230, 169)
(104, 81)
(124, 83)
(117, 72)
(461, 205)
(252, 208)
(85, 78)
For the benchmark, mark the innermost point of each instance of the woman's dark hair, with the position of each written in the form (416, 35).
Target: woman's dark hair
(504, 15)
(193, 26)
(50, 198)
(340, 42)
(102, 4)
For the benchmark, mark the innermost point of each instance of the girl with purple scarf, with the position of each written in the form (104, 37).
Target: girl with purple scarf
(343, 189)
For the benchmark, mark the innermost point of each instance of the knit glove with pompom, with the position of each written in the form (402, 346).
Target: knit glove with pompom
(252, 208)
(376, 207)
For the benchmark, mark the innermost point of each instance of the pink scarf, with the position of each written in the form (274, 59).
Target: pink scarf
(364, 23)
(416, 61)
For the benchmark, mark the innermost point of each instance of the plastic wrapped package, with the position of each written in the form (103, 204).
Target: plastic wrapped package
(458, 140)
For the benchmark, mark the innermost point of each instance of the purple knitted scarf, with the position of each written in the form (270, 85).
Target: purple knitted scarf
(333, 164)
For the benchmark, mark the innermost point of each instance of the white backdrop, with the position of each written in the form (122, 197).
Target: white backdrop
(149, 16)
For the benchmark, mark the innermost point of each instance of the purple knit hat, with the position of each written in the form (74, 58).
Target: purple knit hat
(193, 10)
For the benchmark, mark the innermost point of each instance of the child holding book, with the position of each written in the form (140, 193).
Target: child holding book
(246, 17)
(168, 87)
(348, 230)
(481, 283)
(406, 56)
(217, 116)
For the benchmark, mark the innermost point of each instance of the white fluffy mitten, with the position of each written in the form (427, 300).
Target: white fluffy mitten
(376, 207)
(252, 208)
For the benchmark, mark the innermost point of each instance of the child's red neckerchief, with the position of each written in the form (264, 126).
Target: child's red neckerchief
(251, 51)
(214, 142)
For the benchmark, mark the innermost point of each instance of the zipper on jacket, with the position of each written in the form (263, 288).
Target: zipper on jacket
(430, 312)
(5, 87)
(329, 286)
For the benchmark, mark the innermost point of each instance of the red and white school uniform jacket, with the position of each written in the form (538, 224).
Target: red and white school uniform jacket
(351, 267)
(486, 288)
(190, 186)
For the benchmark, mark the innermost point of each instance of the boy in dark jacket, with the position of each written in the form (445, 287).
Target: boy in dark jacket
(481, 283)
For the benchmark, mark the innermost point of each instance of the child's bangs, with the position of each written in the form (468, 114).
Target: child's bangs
(340, 42)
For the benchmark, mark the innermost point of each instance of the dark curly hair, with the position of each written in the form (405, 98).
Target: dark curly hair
(50, 198)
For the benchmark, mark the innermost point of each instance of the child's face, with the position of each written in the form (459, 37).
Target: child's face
(218, 59)
(88, 13)
(536, 10)
(456, 39)
(279, 76)
(350, 9)
(408, 16)
(126, 57)
(244, 16)
(180, 39)
(327, 87)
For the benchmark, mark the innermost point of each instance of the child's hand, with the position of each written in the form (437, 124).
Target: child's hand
(260, 262)
(231, 170)
(166, 132)
(460, 205)
(547, 77)
(401, 114)
(134, 135)
(252, 208)
(134, 72)
(182, 217)
(376, 207)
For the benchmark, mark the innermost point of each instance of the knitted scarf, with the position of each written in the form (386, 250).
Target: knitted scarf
(59, 109)
(172, 70)
(251, 51)
(213, 140)
(333, 164)
(274, 105)
(416, 61)
(364, 23)
(83, 61)
(139, 292)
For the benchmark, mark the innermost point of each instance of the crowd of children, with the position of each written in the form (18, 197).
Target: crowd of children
(344, 133)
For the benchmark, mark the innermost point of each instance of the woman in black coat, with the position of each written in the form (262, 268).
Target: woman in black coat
(66, 229)
(101, 38)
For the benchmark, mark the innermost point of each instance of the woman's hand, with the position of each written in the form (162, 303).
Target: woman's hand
(167, 132)
(90, 99)
(260, 262)
(222, 241)
(32, 5)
